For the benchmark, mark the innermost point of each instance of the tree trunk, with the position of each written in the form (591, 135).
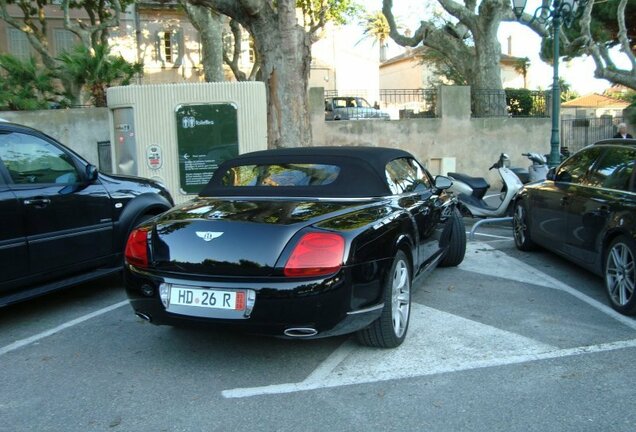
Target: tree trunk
(485, 80)
(210, 27)
(285, 50)
(286, 56)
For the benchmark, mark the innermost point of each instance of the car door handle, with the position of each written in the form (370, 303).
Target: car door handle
(37, 202)
(565, 200)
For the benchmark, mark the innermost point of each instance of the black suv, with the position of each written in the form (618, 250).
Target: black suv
(586, 212)
(63, 222)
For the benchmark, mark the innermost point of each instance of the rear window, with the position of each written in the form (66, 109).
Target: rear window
(281, 175)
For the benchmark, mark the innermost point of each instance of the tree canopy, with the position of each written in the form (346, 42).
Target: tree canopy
(601, 26)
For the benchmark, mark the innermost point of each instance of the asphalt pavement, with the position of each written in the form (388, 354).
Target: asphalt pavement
(507, 341)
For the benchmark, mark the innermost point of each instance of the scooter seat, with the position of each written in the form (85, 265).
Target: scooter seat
(474, 182)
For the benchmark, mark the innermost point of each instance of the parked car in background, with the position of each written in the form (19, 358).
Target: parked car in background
(299, 243)
(63, 222)
(352, 108)
(586, 212)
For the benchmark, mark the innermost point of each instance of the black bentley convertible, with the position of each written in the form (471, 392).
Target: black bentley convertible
(303, 242)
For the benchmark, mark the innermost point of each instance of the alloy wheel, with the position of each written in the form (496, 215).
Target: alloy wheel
(400, 298)
(619, 274)
(519, 225)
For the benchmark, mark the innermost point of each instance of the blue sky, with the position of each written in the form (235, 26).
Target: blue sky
(578, 73)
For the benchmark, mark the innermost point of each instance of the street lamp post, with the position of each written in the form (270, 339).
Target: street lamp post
(560, 12)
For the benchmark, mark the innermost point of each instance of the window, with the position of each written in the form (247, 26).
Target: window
(64, 40)
(166, 46)
(406, 175)
(281, 175)
(614, 170)
(31, 160)
(19, 44)
(169, 46)
(575, 168)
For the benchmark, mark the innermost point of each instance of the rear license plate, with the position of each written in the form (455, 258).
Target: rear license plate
(207, 298)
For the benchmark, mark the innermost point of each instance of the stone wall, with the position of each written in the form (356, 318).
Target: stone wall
(473, 143)
(79, 129)
(452, 141)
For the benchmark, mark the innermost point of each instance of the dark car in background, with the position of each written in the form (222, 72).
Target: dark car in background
(63, 222)
(586, 212)
(352, 108)
(299, 243)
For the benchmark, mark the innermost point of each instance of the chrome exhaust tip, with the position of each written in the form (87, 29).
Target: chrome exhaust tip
(300, 332)
(143, 316)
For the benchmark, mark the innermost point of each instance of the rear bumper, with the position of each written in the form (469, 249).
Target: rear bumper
(340, 304)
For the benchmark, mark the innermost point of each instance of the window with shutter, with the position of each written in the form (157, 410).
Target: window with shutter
(169, 47)
(64, 40)
(19, 44)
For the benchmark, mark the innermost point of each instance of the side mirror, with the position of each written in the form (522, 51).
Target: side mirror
(551, 175)
(443, 182)
(91, 173)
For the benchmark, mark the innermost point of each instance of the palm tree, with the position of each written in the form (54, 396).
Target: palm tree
(565, 90)
(95, 69)
(521, 66)
(377, 28)
(26, 86)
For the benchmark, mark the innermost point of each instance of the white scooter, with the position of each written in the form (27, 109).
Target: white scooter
(470, 191)
(538, 170)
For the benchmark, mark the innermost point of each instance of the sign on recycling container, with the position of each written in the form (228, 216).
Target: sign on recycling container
(207, 135)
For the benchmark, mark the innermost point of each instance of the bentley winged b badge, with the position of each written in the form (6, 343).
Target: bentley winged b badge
(209, 235)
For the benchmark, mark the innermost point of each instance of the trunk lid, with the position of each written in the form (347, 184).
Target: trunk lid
(212, 237)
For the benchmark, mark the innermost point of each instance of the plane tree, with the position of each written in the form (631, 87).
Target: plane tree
(597, 44)
(600, 27)
(284, 47)
(209, 24)
(467, 40)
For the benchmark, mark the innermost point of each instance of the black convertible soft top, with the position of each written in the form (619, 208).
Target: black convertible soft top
(362, 172)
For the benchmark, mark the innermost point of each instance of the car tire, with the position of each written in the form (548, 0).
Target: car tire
(456, 241)
(520, 228)
(619, 273)
(389, 331)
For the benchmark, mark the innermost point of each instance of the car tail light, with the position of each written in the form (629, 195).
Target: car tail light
(137, 248)
(316, 254)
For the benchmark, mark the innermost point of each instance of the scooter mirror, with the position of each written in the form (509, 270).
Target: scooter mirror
(443, 182)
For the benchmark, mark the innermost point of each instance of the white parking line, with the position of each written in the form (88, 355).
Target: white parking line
(440, 342)
(481, 257)
(24, 342)
(339, 381)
